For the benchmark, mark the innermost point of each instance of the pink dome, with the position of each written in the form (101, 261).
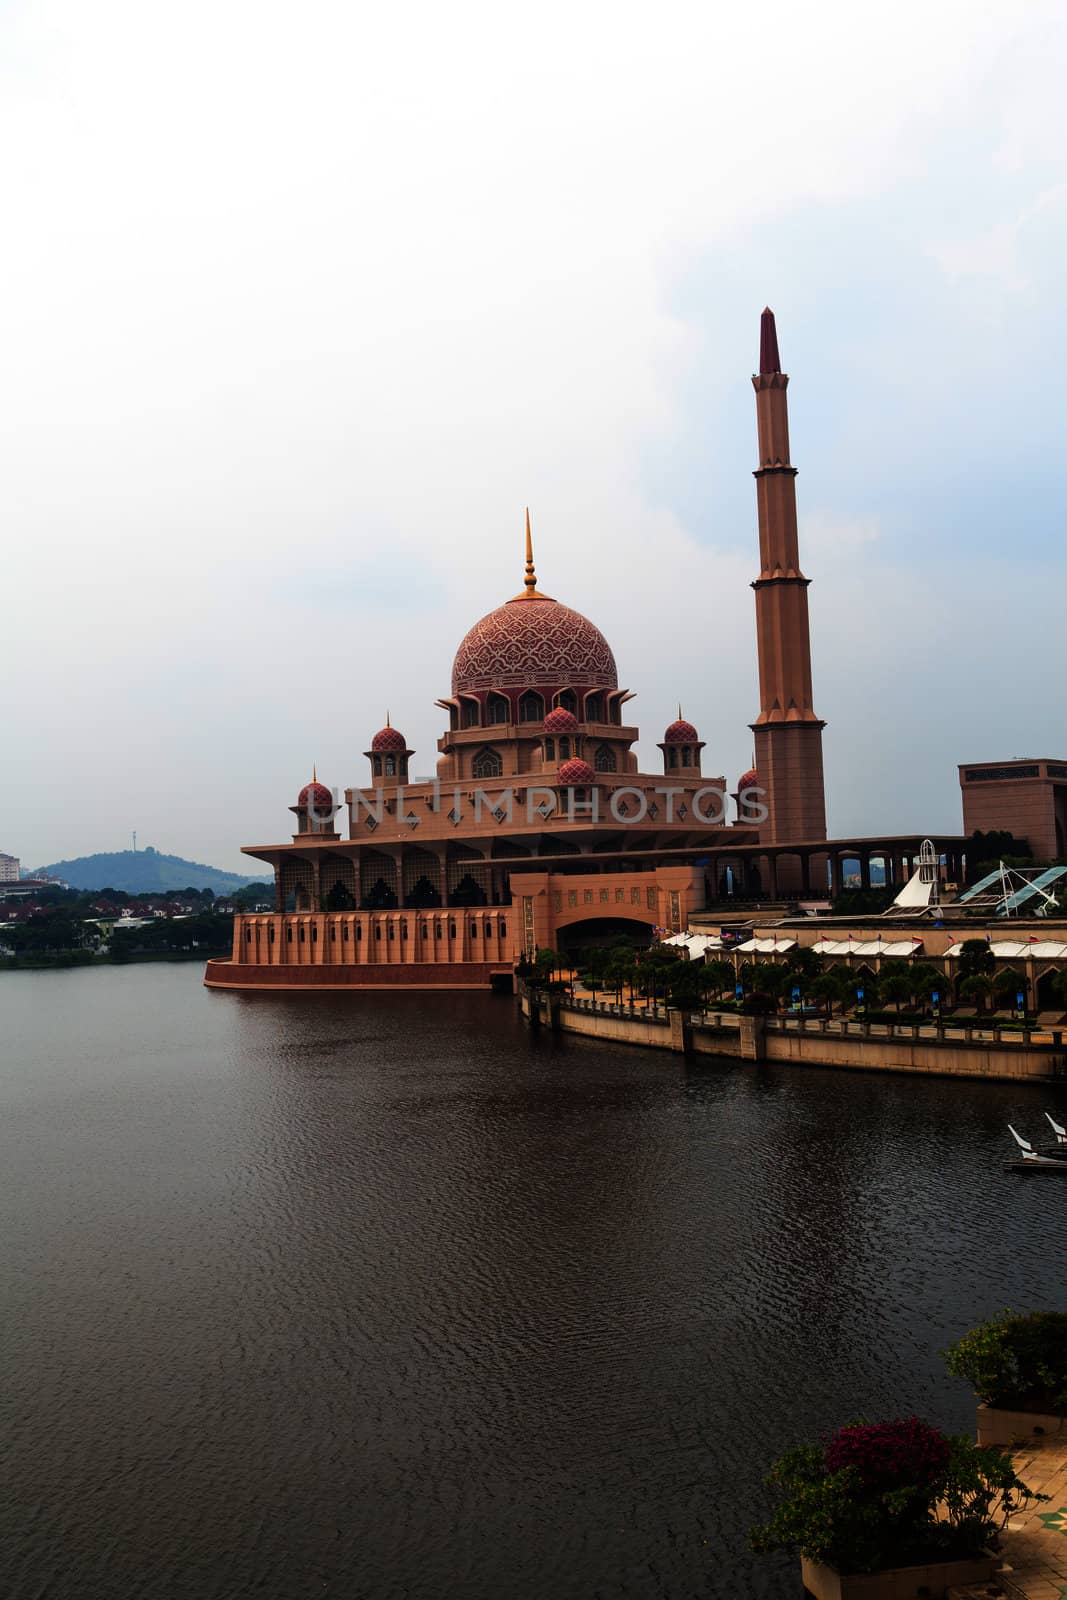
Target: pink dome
(575, 772)
(681, 732)
(747, 780)
(533, 641)
(319, 795)
(388, 739)
(561, 721)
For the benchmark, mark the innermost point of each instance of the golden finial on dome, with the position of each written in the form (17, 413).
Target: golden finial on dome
(314, 773)
(530, 581)
(531, 576)
(530, 590)
(388, 724)
(679, 711)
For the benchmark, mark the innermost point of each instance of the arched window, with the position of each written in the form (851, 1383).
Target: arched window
(497, 709)
(531, 707)
(390, 766)
(605, 759)
(687, 756)
(377, 766)
(469, 714)
(567, 700)
(564, 749)
(487, 764)
(672, 755)
(615, 711)
(550, 749)
(594, 708)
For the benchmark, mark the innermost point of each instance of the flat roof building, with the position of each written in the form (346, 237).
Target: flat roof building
(1026, 797)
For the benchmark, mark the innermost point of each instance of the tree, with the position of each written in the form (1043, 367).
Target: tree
(720, 976)
(896, 988)
(1059, 987)
(976, 957)
(1006, 985)
(978, 988)
(686, 984)
(653, 968)
(825, 987)
(546, 961)
(593, 965)
(774, 980)
(620, 970)
(925, 981)
(804, 962)
(871, 984)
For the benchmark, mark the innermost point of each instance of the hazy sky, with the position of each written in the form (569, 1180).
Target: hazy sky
(302, 305)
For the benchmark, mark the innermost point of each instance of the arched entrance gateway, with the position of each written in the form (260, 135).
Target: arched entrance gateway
(538, 821)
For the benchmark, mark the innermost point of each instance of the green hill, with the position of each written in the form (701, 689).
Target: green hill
(142, 871)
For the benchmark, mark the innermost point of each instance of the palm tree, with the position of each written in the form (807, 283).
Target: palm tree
(896, 988)
(1006, 985)
(720, 976)
(825, 987)
(978, 988)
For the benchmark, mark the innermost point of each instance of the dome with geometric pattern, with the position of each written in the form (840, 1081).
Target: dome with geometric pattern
(575, 772)
(533, 642)
(681, 732)
(388, 738)
(561, 721)
(321, 798)
(747, 780)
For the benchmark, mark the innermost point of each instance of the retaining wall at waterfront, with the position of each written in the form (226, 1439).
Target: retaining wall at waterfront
(368, 975)
(871, 1047)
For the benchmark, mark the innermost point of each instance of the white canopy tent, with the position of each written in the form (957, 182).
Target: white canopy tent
(698, 944)
(1017, 950)
(895, 948)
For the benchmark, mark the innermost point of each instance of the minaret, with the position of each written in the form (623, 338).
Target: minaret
(787, 731)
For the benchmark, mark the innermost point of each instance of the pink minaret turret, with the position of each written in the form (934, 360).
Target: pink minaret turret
(787, 731)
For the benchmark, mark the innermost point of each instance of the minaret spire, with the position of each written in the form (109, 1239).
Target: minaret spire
(788, 753)
(769, 359)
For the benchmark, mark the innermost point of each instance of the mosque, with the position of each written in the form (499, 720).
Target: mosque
(538, 828)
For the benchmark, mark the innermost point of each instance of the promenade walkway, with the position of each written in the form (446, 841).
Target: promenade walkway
(1035, 1544)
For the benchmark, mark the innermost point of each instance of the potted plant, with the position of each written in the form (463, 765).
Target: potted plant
(891, 1510)
(1017, 1367)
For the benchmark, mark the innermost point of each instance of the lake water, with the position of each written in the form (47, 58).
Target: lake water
(378, 1296)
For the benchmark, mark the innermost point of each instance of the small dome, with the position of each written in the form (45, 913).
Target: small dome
(747, 780)
(317, 795)
(561, 721)
(575, 772)
(681, 732)
(388, 738)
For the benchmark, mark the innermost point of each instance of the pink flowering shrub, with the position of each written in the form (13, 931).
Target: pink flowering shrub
(890, 1455)
(890, 1494)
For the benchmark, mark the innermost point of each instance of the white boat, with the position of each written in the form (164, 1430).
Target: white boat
(1031, 1160)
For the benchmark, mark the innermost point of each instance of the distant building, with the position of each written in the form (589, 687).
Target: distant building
(9, 868)
(1024, 797)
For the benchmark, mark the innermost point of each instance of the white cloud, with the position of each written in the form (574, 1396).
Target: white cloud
(300, 310)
